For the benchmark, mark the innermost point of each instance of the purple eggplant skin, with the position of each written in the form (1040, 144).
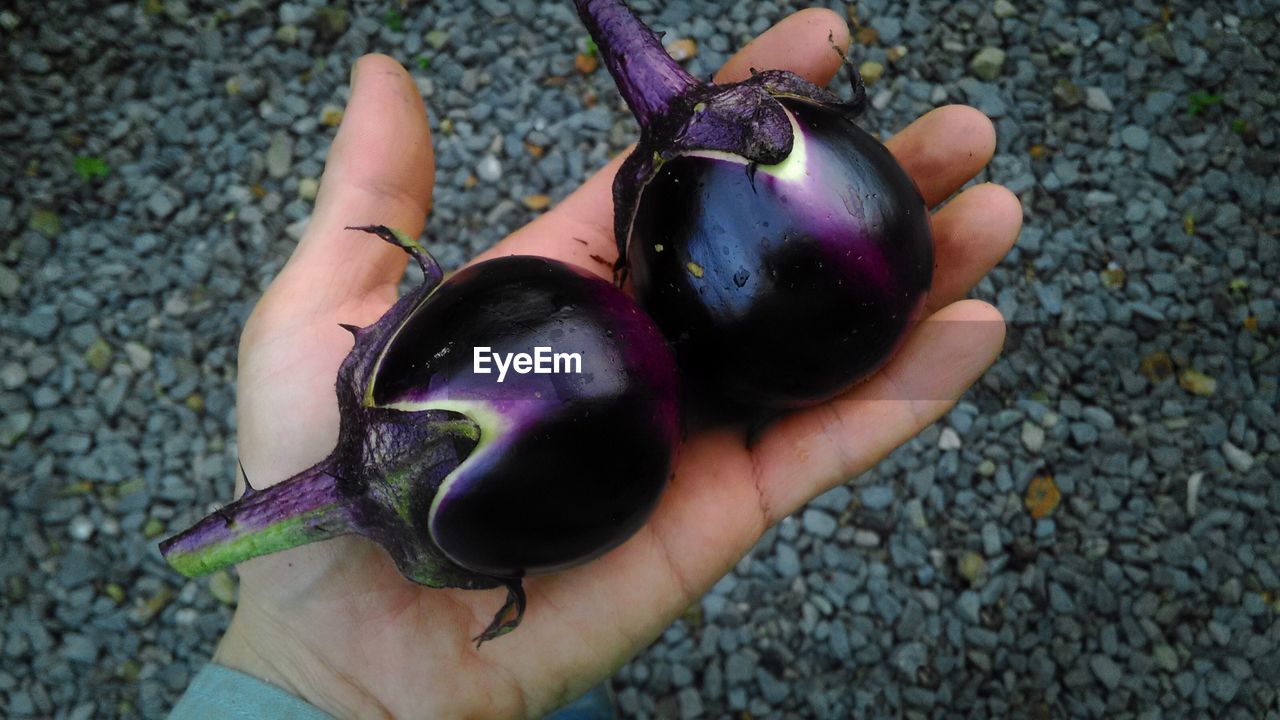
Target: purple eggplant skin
(579, 459)
(781, 248)
(465, 480)
(784, 291)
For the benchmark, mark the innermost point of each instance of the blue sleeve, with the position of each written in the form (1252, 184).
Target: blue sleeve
(220, 692)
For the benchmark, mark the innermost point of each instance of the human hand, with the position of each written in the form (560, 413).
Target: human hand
(336, 623)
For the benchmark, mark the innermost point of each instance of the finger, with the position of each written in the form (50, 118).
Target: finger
(944, 149)
(580, 229)
(971, 234)
(815, 59)
(808, 452)
(380, 171)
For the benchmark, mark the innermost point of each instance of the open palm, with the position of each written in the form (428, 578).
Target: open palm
(336, 624)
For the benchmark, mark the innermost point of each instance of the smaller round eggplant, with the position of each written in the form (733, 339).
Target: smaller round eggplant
(781, 248)
(519, 418)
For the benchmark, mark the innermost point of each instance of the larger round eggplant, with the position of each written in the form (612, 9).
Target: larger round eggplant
(519, 418)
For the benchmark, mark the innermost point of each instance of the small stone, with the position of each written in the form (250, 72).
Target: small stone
(1193, 492)
(1165, 657)
(1136, 138)
(969, 607)
(740, 667)
(10, 282)
(819, 523)
(34, 62)
(1032, 436)
(80, 528)
(988, 63)
(14, 426)
(1106, 670)
(115, 592)
(787, 562)
(1004, 9)
(682, 49)
(690, 704)
(915, 514)
(871, 72)
(908, 658)
(948, 439)
(223, 587)
(866, 539)
(1223, 686)
(1066, 94)
(877, 497)
(331, 116)
(287, 34)
(1083, 433)
(1162, 160)
(153, 528)
(1060, 600)
(1240, 460)
(1156, 367)
(98, 356)
(537, 202)
(991, 544)
(585, 64)
(21, 704)
(1197, 383)
(489, 169)
(79, 648)
(888, 28)
(138, 354)
(971, 566)
(437, 39)
(145, 611)
(295, 13)
(13, 375)
(308, 188)
(45, 222)
(1095, 98)
(279, 158)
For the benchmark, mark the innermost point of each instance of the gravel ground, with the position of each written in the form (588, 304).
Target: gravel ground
(1139, 384)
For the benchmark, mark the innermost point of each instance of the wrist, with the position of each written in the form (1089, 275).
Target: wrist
(274, 657)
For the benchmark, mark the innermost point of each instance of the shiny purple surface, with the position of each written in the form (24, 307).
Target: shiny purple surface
(579, 459)
(783, 292)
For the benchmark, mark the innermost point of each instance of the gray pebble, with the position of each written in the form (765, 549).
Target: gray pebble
(877, 497)
(489, 169)
(279, 157)
(819, 523)
(1106, 670)
(991, 543)
(1239, 460)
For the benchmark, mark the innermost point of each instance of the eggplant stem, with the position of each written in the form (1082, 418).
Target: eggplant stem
(431, 269)
(306, 508)
(508, 616)
(648, 78)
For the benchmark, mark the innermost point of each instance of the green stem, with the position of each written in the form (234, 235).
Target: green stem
(303, 509)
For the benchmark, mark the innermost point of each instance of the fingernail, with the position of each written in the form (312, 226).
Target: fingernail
(354, 67)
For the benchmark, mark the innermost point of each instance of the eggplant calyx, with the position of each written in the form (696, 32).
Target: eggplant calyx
(744, 119)
(355, 376)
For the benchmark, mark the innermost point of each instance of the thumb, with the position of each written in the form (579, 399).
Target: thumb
(380, 171)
